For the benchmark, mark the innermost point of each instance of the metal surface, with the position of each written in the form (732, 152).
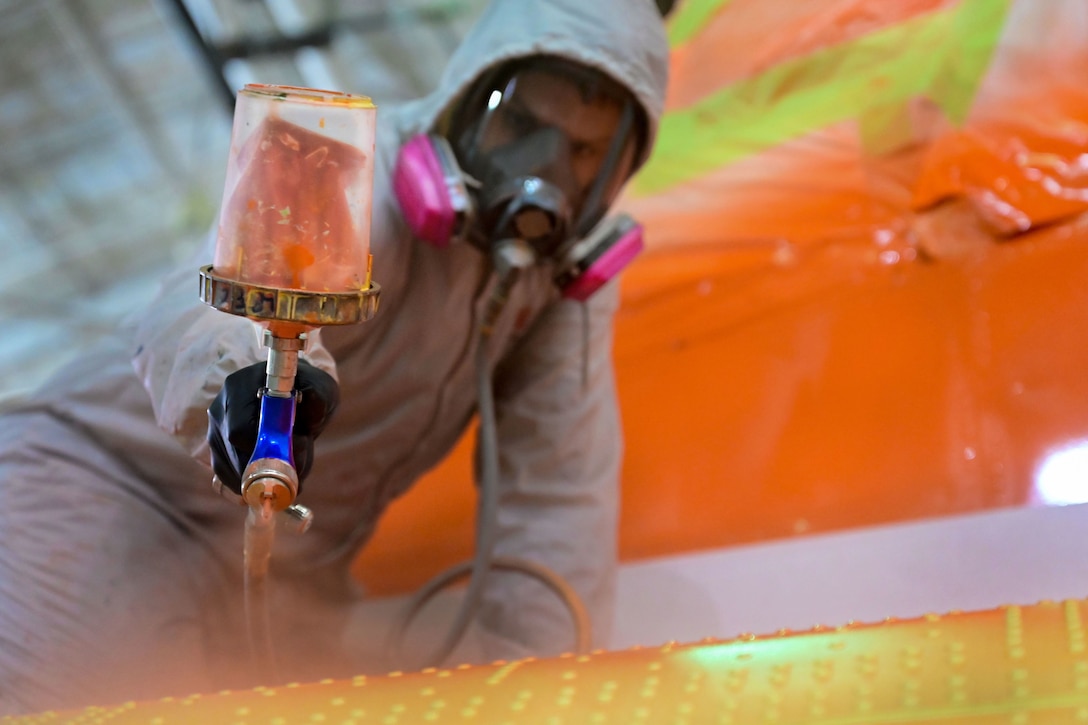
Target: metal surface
(270, 478)
(287, 305)
(282, 365)
(297, 518)
(1012, 665)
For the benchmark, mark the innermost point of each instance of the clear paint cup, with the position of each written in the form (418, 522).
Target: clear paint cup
(299, 186)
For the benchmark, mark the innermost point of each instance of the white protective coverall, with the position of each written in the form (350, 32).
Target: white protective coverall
(120, 576)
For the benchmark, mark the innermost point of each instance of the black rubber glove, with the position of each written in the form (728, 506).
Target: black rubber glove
(234, 414)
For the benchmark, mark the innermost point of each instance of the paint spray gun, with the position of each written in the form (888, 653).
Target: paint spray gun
(292, 254)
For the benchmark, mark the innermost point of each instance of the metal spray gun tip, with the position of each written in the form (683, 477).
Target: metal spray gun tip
(270, 481)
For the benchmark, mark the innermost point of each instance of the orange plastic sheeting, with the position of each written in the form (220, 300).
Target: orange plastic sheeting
(772, 394)
(880, 320)
(746, 37)
(826, 392)
(1008, 665)
(810, 189)
(1023, 144)
(425, 531)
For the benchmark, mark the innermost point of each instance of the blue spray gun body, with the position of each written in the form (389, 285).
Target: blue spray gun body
(270, 481)
(274, 432)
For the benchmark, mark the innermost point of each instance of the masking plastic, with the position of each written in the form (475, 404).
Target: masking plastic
(297, 200)
(839, 319)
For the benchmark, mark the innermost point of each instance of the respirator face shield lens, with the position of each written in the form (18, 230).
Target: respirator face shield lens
(568, 126)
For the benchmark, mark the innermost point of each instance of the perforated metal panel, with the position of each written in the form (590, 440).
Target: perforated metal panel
(1010, 665)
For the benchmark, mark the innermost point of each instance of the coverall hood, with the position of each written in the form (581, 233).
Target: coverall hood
(625, 39)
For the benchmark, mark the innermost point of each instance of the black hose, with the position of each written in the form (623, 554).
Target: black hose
(484, 559)
(486, 514)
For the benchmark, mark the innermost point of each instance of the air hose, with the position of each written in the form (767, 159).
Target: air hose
(484, 559)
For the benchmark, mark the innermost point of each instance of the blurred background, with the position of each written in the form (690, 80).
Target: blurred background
(114, 129)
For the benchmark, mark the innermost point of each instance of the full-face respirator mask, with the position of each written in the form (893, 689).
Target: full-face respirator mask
(535, 153)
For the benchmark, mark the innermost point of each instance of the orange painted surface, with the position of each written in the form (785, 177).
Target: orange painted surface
(1006, 665)
(837, 332)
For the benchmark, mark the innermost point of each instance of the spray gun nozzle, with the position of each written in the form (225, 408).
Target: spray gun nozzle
(266, 508)
(270, 481)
